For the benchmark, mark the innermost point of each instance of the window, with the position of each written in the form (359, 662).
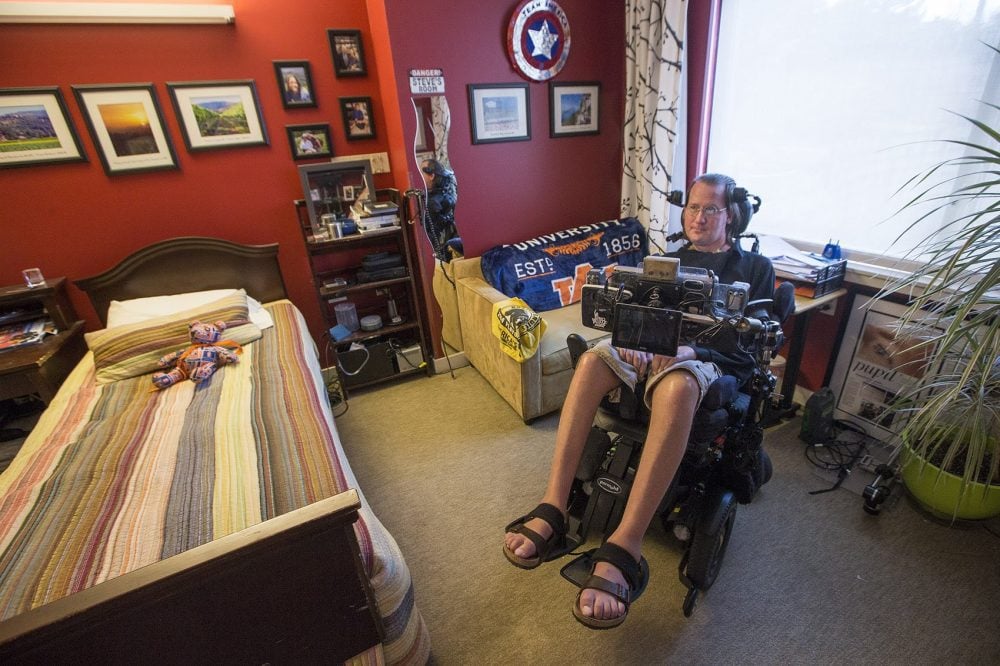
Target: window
(825, 108)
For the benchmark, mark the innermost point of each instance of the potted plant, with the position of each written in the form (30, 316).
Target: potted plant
(950, 460)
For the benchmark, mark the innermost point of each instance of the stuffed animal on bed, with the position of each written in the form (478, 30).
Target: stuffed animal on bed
(199, 360)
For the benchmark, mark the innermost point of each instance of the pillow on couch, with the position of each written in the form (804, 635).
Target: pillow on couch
(548, 272)
(134, 349)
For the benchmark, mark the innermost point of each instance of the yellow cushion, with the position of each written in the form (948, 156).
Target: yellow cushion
(134, 349)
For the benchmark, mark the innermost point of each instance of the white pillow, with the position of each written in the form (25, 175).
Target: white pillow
(138, 310)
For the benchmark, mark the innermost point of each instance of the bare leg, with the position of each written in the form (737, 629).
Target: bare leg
(674, 402)
(591, 381)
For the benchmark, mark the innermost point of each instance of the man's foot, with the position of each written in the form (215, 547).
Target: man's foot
(521, 545)
(616, 580)
(537, 537)
(599, 604)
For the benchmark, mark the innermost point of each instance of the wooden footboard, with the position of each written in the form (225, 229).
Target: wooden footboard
(290, 589)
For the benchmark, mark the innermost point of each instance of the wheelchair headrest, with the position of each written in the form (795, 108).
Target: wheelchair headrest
(784, 301)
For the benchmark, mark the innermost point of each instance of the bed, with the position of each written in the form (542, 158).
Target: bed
(216, 523)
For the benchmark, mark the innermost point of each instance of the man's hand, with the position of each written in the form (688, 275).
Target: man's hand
(654, 363)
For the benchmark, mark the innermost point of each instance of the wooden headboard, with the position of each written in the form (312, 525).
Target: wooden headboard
(189, 263)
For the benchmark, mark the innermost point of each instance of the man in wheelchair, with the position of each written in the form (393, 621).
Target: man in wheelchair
(715, 213)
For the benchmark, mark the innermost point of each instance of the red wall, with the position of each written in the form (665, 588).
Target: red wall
(515, 190)
(74, 220)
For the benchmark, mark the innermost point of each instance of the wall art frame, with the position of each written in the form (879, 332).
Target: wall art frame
(499, 112)
(348, 53)
(310, 141)
(574, 108)
(218, 114)
(36, 129)
(126, 125)
(295, 83)
(874, 366)
(359, 123)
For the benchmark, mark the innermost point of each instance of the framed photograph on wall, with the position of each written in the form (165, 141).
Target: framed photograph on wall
(574, 109)
(218, 114)
(348, 53)
(309, 141)
(874, 366)
(358, 120)
(295, 83)
(35, 128)
(127, 127)
(499, 112)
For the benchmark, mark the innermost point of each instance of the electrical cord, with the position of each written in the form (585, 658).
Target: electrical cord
(840, 455)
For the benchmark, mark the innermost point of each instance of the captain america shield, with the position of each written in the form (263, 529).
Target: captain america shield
(538, 39)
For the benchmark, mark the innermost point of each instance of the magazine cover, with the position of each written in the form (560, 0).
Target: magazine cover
(873, 367)
(25, 333)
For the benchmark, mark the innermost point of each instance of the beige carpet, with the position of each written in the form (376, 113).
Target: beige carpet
(808, 579)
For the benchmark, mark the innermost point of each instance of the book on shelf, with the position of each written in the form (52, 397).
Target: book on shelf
(25, 333)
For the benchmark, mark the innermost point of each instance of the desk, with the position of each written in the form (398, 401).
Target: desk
(804, 309)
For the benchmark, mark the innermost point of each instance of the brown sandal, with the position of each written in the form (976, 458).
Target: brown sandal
(545, 549)
(636, 575)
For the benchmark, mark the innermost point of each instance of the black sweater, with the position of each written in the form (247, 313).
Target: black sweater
(735, 265)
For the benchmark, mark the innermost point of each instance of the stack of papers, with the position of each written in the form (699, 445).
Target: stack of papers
(792, 263)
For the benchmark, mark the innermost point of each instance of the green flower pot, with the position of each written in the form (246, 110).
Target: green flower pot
(941, 492)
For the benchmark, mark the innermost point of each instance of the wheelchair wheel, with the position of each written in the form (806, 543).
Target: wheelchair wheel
(711, 537)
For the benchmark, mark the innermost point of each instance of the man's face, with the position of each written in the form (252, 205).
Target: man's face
(706, 232)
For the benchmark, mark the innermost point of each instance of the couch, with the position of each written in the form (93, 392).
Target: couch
(539, 385)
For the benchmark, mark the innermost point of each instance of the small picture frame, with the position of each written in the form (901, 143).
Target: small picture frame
(218, 114)
(574, 109)
(309, 141)
(358, 120)
(499, 112)
(35, 128)
(127, 127)
(295, 83)
(347, 52)
(347, 193)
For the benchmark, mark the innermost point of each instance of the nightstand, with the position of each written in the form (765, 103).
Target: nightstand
(41, 368)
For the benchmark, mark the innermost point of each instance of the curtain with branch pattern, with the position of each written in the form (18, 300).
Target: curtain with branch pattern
(653, 57)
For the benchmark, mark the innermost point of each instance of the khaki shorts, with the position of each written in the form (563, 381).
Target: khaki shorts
(703, 372)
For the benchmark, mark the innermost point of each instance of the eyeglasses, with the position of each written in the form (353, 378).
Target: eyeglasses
(709, 211)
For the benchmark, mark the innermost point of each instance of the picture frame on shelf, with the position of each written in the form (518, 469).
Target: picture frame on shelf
(499, 112)
(310, 141)
(348, 53)
(359, 122)
(295, 83)
(324, 185)
(574, 108)
(127, 127)
(35, 128)
(218, 114)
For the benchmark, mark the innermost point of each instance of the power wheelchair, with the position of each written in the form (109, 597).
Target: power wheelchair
(724, 464)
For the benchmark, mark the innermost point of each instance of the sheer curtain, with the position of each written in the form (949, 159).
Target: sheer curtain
(825, 108)
(653, 82)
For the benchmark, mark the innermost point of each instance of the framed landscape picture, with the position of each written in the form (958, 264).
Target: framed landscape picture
(295, 83)
(308, 141)
(574, 109)
(499, 112)
(35, 128)
(219, 114)
(358, 121)
(127, 127)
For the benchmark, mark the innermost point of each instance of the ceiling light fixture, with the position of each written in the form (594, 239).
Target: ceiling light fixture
(113, 12)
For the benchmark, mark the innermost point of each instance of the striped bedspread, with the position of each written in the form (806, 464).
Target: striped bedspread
(118, 476)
